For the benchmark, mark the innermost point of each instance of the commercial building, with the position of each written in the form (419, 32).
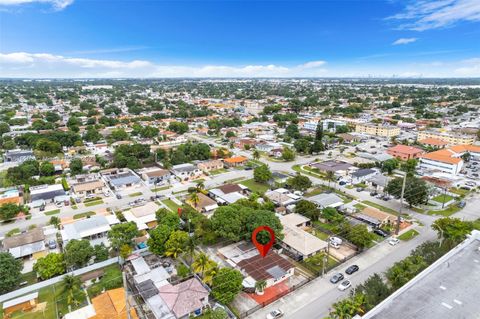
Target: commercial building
(378, 130)
(18, 156)
(449, 160)
(405, 152)
(450, 138)
(447, 289)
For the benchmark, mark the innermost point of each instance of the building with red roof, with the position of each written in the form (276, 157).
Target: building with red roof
(405, 152)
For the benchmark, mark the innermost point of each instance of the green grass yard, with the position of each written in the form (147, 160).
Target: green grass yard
(382, 208)
(97, 202)
(408, 235)
(255, 186)
(171, 205)
(450, 210)
(52, 212)
(82, 215)
(443, 198)
(135, 194)
(158, 189)
(316, 262)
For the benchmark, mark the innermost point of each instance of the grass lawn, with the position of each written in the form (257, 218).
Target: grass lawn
(476, 224)
(458, 191)
(171, 205)
(218, 171)
(81, 215)
(452, 209)
(255, 186)
(74, 206)
(234, 180)
(320, 234)
(359, 206)
(135, 194)
(112, 278)
(443, 198)
(97, 202)
(327, 226)
(52, 212)
(383, 208)
(158, 189)
(418, 210)
(29, 277)
(408, 235)
(198, 181)
(316, 262)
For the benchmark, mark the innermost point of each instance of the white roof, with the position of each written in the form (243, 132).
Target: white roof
(302, 241)
(27, 249)
(232, 197)
(19, 300)
(326, 200)
(293, 219)
(82, 313)
(140, 266)
(86, 227)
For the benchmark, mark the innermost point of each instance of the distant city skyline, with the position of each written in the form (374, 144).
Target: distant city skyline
(130, 39)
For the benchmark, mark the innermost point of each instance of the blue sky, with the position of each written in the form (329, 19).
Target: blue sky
(84, 38)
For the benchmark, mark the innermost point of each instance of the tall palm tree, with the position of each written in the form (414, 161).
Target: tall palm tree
(194, 199)
(72, 288)
(200, 187)
(201, 263)
(174, 251)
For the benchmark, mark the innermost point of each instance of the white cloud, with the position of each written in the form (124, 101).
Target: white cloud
(404, 41)
(56, 4)
(23, 64)
(434, 14)
(469, 68)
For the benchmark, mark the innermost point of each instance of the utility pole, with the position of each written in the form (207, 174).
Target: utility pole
(325, 259)
(397, 230)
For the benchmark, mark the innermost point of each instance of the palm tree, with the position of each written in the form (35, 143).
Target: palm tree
(174, 251)
(256, 154)
(210, 272)
(194, 199)
(200, 186)
(330, 177)
(72, 287)
(201, 263)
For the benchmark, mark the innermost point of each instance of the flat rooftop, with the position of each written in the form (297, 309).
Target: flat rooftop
(448, 289)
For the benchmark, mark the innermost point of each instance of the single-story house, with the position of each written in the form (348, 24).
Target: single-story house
(185, 299)
(338, 167)
(95, 229)
(143, 216)
(228, 193)
(11, 196)
(282, 197)
(326, 200)
(18, 156)
(375, 217)
(209, 166)
(205, 204)
(120, 179)
(235, 161)
(27, 245)
(296, 240)
(87, 184)
(23, 304)
(272, 268)
(377, 181)
(46, 192)
(361, 175)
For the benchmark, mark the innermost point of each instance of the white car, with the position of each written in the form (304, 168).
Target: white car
(275, 314)
(344, 285)
(393, 241)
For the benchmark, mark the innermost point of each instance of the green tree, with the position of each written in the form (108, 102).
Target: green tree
(307, 209)
(76, 166)
(262, 174)
(389, 165)
(228, 222)
(50, 266)
(10, 269)
(401, 272)
(123, 234)
(100, 252)
(226, 285)
(332, 215)
(374, 289)
(9, 211)
(4, 128)
(319, 131)
(416, 190)
(452, 230)
(72, 289)
(360, 236)
(256, 154)
(348, 308)
(218, 313)
(167, 218)
(158, 238)
(288, 154)
(176, 243)
(119, 135)
(47, 169)
(259, 218)
(78, 253)
(330, 176)
(201, 263)
(302, 145)
(55, 221)
(299, 182)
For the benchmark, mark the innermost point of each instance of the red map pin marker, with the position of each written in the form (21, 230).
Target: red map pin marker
(179, 211)
(263, 249)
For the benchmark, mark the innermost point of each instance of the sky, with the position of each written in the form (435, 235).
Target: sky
(223, 38)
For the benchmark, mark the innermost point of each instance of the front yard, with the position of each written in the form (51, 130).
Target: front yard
(450, 210)
(171, 205)
(406, 236)
(315, 263)
(256, 187)
(443, 198)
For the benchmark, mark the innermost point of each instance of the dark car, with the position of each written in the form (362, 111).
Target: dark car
(461, 204)
(350, 270)
(380, 232)
(119, 196)
(248, 168)
(359, 189)
(373, 194)
(341, 183)
(336, 278)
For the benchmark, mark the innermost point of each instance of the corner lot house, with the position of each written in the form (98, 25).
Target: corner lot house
(95, 229)
(27, 245)
(46, 193)
(338, 167)
(361, 175)
(235, 161)
(87, 184)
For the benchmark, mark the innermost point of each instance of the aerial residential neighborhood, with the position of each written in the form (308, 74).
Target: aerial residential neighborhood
(239, 159)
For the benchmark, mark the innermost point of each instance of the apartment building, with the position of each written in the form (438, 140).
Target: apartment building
(450, 138)
(405, 152)
(378, 130)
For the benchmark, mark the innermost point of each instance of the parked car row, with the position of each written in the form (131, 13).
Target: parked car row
(338, 277)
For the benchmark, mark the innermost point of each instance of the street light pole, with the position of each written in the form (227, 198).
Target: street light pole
(397, 229)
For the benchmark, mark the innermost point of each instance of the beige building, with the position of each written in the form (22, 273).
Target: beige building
(377, 130)
(450, 138)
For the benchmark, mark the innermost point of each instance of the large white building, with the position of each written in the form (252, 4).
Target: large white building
(448, 160)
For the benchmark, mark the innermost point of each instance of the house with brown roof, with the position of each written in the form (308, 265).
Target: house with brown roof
(87, 184)
(27, 245)
(433, 142)
(405, 152)
(375, 217)
(444, 160)
(204, 205)
(228, 193)
(272, 268)
(155, 176)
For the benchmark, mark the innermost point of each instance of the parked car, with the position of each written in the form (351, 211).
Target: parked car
(380, 232)
(275, 314)
(248, 168)
(52, 244)
(336, 278)
(359, 189)
(350, 270)
(393, 241)
(373, 193)
(118, 196)
(342, 183)
(461, 204)
(345, 285)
